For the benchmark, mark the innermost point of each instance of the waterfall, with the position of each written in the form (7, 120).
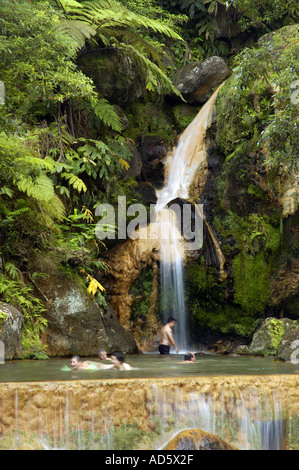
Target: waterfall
(181, 168)
(227, 415)
(254, 412)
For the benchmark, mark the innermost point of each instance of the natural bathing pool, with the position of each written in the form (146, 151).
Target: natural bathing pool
(146, 366)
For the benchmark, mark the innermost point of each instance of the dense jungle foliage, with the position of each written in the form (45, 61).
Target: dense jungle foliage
(63, 146)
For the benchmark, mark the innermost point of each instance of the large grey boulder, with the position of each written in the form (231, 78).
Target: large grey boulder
(76, 323)
(196, 81)
(11, 331)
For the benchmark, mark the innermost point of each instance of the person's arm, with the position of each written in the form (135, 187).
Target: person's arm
(171, 339)
(105, 366)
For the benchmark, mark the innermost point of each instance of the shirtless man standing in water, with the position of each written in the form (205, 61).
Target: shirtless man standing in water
(167, 339)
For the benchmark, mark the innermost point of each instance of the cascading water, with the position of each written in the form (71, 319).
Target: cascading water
(254, 412)
(180, 171)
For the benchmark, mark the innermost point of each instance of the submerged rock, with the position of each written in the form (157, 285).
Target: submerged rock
(11, 331)
(196, 439)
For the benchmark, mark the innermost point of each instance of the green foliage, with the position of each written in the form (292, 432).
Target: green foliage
(141, 291)
(116, 26)
(208, 306)
(201, 13)
(256, 105)
(37, 61)
(267, 13)
(253, 234)
(14, 292)
(251, 282)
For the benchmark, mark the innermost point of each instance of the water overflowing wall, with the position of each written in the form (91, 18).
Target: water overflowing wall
(251, 412)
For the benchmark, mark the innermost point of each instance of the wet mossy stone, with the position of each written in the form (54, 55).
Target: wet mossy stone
(196, 439)
(267, 338)
(116, 78)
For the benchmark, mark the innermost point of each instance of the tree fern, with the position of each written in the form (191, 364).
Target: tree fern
(118, 27)
(54, 208)
(77, 30)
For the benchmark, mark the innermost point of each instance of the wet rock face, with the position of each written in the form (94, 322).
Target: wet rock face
(153, 151)
(196, 81)
(196, 439)
(11, 330)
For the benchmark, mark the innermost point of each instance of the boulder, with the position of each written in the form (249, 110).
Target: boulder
(153, 151)
(288, 348)
(11, 331)
(196, 81)
(267, 338)
(134, 161)
(76, 323)
(115, 77)
(196, 439)
(147, 192)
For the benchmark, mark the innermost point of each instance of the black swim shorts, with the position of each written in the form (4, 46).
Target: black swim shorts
(163, 349)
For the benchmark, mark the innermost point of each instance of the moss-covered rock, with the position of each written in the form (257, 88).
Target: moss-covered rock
(148, 118)
(267, 338)
(76, 323)
(196, 439)
(116, 78)
(288, 347)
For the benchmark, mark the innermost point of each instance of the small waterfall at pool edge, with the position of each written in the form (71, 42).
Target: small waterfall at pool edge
(246, 412)
(181, 167)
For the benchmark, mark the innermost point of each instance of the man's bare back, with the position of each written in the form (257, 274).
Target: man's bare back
(167, 338)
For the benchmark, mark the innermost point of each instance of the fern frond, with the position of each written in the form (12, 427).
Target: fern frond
(107, 14)
(69, 5)
(40, 188)
(75, 182)
(54, 208)
(105, 111)
(152, 71)
(77, 30)
(40, 163)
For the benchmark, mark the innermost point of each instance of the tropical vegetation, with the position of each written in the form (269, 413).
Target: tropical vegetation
(63, 146)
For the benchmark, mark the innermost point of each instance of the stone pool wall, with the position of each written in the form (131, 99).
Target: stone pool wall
(142, 413)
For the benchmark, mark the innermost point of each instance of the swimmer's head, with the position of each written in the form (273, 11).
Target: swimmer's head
(75, 362)
(102, 354)
(118, 357)
(190, 357)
